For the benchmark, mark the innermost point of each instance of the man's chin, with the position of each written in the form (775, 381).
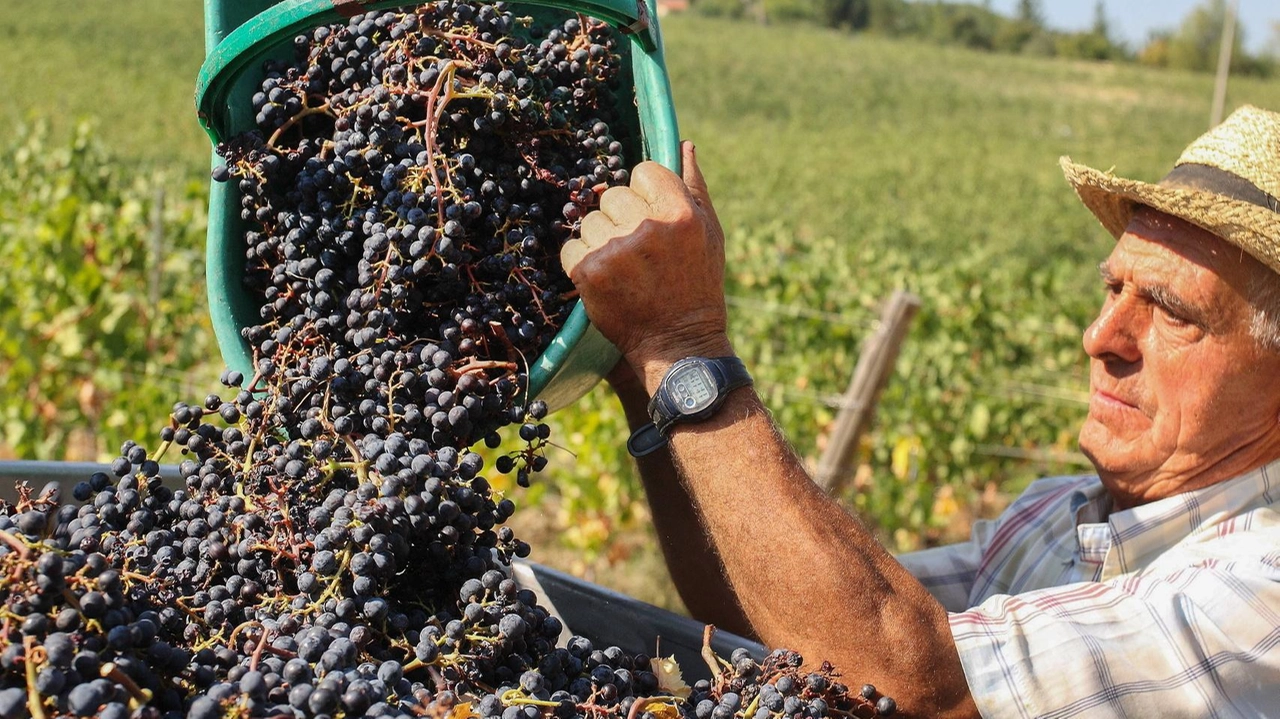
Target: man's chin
(1110, 455)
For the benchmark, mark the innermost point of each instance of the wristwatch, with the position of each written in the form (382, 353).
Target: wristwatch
(691, 391)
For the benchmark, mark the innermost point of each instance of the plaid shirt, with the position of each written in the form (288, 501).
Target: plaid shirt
(1062, 608)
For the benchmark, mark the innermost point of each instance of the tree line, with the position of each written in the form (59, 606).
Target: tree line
(1193, 45)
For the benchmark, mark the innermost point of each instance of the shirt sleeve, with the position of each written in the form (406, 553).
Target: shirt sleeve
(949, 572)
(1200, 641)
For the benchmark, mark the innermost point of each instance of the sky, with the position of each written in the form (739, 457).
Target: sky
(1133, 20)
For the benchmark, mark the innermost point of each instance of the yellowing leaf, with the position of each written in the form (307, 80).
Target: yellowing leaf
(664, 710)
(945, 505)
(904, 452)
(460, 711)
(980, 420)
(669, 679)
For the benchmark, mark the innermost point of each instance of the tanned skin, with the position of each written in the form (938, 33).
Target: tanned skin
(1182, 396)
(692, 561)
(806, 574)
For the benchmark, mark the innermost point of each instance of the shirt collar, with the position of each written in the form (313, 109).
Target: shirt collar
(1089, 506)
(1090, 503)
(1140, 534)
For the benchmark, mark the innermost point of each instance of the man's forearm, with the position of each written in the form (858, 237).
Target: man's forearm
(809, 576)
(690, 554)
(649, 265)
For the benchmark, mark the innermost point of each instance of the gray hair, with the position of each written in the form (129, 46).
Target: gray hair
(1264, 296)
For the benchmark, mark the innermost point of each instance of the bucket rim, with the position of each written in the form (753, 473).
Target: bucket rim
(225, 62)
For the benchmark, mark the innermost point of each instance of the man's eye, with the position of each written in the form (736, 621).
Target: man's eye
(1174, 318)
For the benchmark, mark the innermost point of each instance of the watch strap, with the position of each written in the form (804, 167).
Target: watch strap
(730, 373)
(646, 440)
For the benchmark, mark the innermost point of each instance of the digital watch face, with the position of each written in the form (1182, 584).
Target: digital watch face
(692, 388)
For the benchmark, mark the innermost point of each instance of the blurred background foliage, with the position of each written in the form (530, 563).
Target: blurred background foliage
(102, 316)
(846, 162)
(1192, 44)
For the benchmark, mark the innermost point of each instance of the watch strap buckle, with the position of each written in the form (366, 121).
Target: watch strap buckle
(646, 440)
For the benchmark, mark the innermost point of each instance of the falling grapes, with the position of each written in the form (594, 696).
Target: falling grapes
(335, 549)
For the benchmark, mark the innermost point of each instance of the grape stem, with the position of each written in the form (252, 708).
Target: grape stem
(436, 677)
(190, 612)
(432, 119)
(516, 696)
(138, 697)
(362, 469)
(480, 365)
(23, 550)
(34, 703)
(257, 651)
(446, 35)
(164, 448)
(135, 576)
(495, 327)
(290, 534)
(242, 627)
(537, 302)
(336, 582)
(304, 112)
(709, 656)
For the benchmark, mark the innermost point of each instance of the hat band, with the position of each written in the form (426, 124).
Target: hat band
(1194, 176)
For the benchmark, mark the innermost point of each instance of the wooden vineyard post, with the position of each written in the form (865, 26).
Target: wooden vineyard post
(156, 260)
(858, 405)
(1224, 63)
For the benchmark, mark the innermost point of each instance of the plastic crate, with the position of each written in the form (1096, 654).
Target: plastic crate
(241, 34)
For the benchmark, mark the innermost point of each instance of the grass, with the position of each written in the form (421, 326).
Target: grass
(893, 142)
(130, 67)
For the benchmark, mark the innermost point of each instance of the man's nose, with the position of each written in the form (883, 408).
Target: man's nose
(1114, 334)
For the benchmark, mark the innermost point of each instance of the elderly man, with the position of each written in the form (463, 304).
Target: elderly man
(1150, 589)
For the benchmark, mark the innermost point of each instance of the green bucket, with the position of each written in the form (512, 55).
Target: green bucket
(241, 34)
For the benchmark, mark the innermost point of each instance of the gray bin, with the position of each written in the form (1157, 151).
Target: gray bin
(608, 618)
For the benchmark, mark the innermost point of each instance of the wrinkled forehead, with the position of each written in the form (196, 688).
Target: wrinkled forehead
(1181, 253)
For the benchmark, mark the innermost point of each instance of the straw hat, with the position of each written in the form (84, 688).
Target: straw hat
(1227, 182)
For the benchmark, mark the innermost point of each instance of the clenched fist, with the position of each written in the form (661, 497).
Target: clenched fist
(650, 268)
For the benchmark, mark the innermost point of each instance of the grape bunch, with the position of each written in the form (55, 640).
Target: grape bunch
(335, 549)
(779, 687)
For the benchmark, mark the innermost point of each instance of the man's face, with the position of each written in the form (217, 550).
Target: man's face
(1181, 395)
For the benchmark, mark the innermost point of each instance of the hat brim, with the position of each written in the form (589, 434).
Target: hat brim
(1112, 200)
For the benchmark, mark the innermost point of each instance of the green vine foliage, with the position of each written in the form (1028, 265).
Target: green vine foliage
(103, 323)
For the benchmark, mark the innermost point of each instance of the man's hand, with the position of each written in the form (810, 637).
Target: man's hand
(650, 268)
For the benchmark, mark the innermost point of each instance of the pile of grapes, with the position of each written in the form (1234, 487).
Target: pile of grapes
(336, 550)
